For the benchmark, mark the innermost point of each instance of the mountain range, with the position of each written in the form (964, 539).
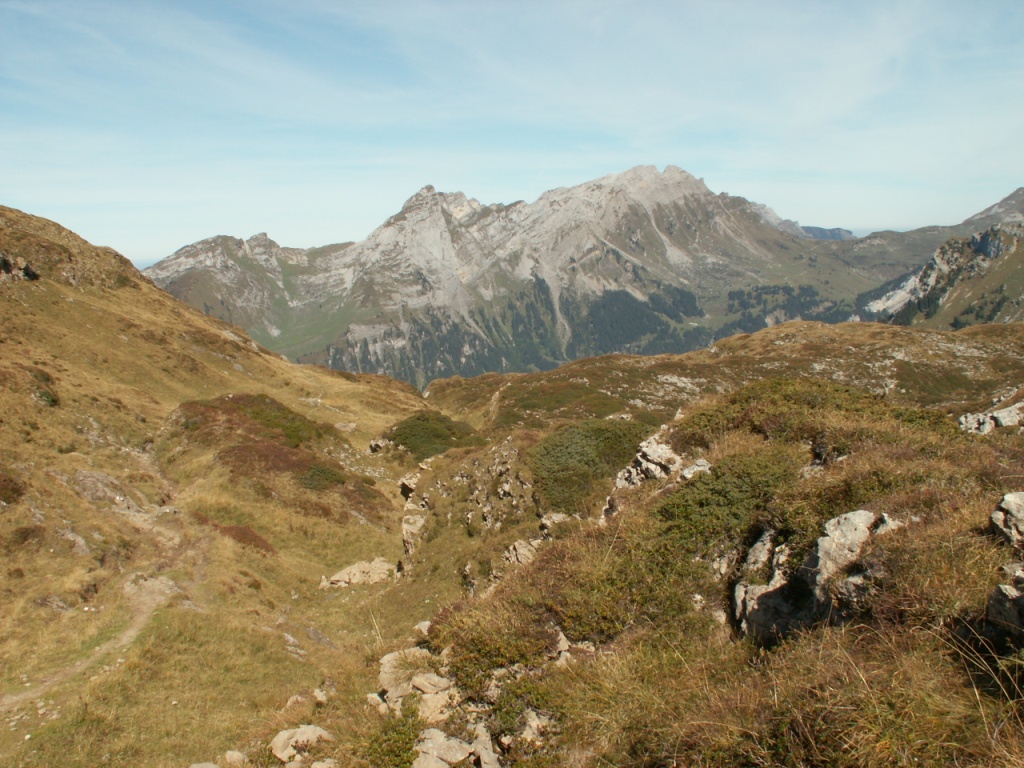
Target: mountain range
(641, 261)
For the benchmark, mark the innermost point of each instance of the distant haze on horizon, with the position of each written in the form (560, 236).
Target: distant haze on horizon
(150, 124)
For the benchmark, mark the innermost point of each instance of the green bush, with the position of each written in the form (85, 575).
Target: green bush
(568, 464)
(428, 433)
(735, 495)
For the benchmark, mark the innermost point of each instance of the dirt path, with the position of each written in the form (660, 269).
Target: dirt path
(144, 596)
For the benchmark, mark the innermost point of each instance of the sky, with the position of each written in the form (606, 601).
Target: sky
(146, 125)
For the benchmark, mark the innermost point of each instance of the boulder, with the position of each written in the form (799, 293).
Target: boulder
(287, 745)
(407, 485)
(398, 669)
(839, 548)
(1008, 519)
(373, 572)
(233, 758)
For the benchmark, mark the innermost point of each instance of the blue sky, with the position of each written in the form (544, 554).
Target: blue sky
(149, 124)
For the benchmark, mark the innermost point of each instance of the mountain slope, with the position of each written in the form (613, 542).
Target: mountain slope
(968, 281)
(171, 494)
(639, 261)
(165, 484)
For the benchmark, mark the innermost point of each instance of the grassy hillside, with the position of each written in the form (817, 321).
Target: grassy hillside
(171, 495)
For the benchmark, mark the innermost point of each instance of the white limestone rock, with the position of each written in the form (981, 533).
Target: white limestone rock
(371, 572)
(289, 743)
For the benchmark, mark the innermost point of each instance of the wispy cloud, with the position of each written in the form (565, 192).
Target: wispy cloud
(315, 119)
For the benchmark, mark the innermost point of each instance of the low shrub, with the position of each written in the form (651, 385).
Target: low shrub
(11, 489)
(568, 464)
(736, 495)
(320, 477)
(428, 433)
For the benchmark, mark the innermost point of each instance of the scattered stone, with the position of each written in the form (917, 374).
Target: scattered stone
(430, 682)
(521, 552)
(375, 701)
(320, 696)
(319, 637)
(483, 748)
(423, 628)
(439, 745)
(699, 466)
(234, 757)
(79, 547)
(373, 572)
(330, 762)
(204, 765)
(1008, 519)
(552, 519)
(287, 745)
(436, 707)
(536, 725)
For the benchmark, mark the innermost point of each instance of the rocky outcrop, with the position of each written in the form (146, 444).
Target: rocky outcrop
(372, 572)
(826, 587)
(412, 527)
(983, 423)
(655, 459)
